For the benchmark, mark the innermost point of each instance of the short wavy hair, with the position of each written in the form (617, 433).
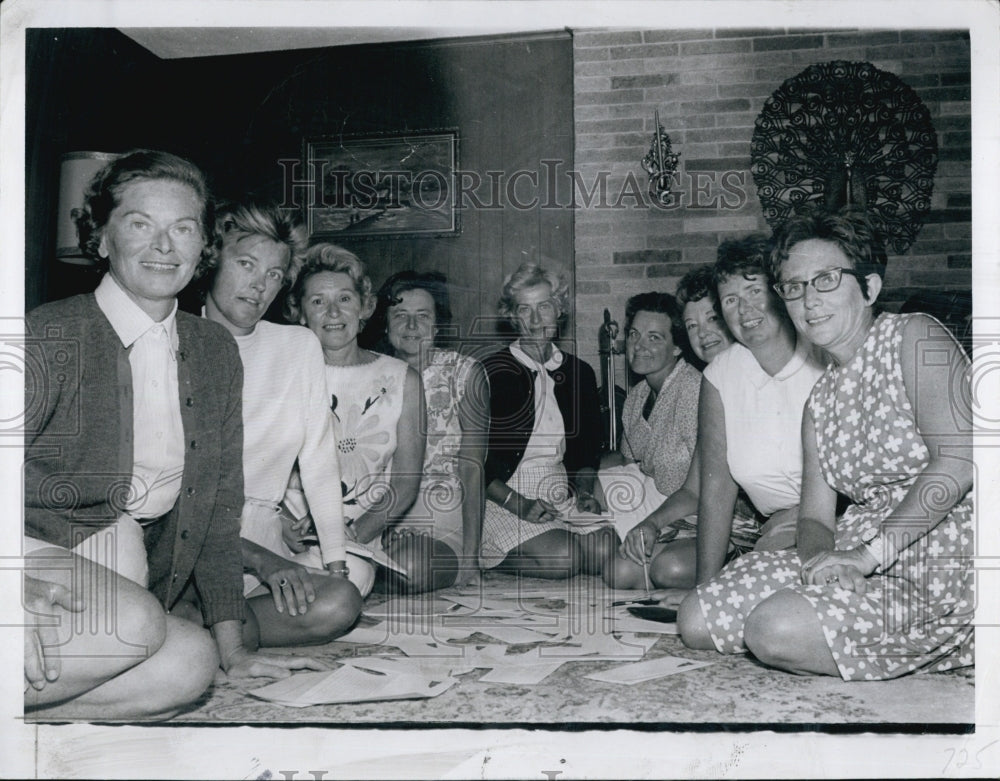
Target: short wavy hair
(696, 285)
(251, 218)
(742, 257)
(849, 228)
(664, 304)
(434, 282)
(528, 275)
(327, 257)
(103, 195)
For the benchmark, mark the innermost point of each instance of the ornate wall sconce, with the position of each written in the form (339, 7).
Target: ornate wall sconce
(660, 163)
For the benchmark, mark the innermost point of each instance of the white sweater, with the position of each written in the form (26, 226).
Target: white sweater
(286, 417)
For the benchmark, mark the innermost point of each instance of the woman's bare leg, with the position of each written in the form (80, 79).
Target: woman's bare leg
(553, 555)
(430, 564)
(672, 565)
(692, 625)
(121, 625)
(170, 681)
(333, 612)
(784, 632)
(127, 659)
(596, 550)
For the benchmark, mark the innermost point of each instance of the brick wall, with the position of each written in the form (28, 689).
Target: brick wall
(709, 86)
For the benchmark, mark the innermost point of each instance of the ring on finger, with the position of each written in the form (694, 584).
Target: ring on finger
(283, 582)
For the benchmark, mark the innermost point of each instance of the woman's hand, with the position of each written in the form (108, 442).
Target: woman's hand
(41, 638)
(846, 568)
(536, 511)
(290, 583)
(368, 527)
(587, 503)
(296, 532)
(638, 543)
(244, 664)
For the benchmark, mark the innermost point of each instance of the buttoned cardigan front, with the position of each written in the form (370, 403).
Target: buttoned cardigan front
(512, 413)
(78, 448)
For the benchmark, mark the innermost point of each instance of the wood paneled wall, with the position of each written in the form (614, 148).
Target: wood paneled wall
(511, 100)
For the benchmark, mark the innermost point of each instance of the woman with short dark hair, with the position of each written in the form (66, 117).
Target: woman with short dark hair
(660, 429)
(437, 542)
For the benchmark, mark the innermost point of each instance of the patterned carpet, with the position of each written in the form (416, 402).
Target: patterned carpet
(735, 692)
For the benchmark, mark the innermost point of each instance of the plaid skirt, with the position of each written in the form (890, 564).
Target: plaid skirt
(539, 479)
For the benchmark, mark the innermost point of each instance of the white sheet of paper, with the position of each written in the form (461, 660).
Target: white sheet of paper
(424, 647)
(647, 671)
(478, 603)
(629, 623)
(597, 647)
(412, 606)
(514, 635)
(522, 674)
(373, 554)
(366, 635)
(428, 667)
(392, 635)
(349, 684)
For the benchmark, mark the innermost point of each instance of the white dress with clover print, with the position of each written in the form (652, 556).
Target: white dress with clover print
(916, 615)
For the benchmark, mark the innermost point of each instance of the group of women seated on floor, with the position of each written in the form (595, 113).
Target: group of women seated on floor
(212, 472)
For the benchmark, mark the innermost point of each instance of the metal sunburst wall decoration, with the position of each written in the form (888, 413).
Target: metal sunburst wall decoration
(844, 133)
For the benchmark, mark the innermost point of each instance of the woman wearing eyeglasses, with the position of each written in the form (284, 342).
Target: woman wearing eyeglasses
(544, 442)
(750, 410)
(885, 589)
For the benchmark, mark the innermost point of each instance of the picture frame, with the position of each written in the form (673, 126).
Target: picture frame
(382, 186)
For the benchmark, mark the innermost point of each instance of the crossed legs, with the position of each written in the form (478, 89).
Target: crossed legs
(122, 657)
(558, 554)
(332, 613)
(430, 564)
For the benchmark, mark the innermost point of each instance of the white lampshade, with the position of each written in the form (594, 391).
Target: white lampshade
(75, 173)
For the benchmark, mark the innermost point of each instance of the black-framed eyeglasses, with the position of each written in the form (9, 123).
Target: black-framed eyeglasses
(824, 282)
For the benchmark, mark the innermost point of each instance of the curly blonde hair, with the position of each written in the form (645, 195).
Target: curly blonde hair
(327, 257)
(528, 275)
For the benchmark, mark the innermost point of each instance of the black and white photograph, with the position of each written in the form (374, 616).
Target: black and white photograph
(386, 185)
(417, 390)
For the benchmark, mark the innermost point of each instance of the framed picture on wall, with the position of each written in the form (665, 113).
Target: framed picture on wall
(392, 185)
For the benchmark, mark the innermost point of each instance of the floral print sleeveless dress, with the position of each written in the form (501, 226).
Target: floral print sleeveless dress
(437, 509)
(917, 614)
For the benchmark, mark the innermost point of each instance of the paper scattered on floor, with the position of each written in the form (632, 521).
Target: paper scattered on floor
(419, 605)
(425, 642)
(598, 647)
(436, 668)
(647, 671)
(476, 603)
(350, 684)
(522, 673)
(623, 621)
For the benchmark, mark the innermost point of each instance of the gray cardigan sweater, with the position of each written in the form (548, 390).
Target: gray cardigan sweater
(78, 448)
